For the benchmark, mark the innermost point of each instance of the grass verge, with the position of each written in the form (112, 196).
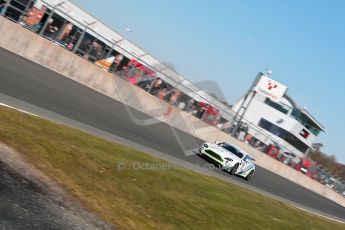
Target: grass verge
(86, 166)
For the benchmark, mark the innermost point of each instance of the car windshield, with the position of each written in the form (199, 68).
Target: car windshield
(247, 158)
(231, 149)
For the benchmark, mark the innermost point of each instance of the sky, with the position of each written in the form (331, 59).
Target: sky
(228, 41)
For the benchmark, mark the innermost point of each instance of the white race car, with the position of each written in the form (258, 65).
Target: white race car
(230, 158)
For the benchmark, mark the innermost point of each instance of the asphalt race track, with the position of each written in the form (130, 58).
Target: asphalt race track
(29, 82)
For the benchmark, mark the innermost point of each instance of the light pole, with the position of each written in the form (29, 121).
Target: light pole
(245, 107)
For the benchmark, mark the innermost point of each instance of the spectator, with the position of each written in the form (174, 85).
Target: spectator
(85, 47)
(131, 70)
(248, 138)
(172, 101)
(65, 34)
(169, 94)
(190, 107)
(162, 93)
(156, 85)
(145, 84)
(136, 78)
(52, 31)
(70, 42)
(117, 62)
(145, 80)
(257, 144)
(200, 112)
(38, 26)
(2, 5)
(95, 52)
(174, 97)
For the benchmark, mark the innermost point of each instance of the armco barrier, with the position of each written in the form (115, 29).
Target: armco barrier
(44, 52)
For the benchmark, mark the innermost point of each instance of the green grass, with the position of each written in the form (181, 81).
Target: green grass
(143, 199)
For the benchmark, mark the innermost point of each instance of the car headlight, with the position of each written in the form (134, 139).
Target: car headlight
(205, 145)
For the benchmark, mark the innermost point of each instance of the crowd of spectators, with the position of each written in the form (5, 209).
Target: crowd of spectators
(65, 33)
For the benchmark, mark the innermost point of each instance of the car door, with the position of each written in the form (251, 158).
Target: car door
(245, 165)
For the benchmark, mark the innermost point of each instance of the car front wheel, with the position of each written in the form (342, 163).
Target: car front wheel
(234, 169)
(250, 175)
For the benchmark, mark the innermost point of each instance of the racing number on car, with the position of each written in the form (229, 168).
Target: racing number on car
(242, 165)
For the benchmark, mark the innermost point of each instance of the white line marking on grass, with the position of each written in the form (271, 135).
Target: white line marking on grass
(318, 214)
(8, 106)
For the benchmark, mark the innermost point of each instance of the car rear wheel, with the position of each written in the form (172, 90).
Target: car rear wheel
(233, 170)
(250, 175)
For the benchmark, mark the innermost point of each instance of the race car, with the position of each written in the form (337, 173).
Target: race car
(229, 158)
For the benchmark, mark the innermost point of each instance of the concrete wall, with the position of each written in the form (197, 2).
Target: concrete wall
(35, 48)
